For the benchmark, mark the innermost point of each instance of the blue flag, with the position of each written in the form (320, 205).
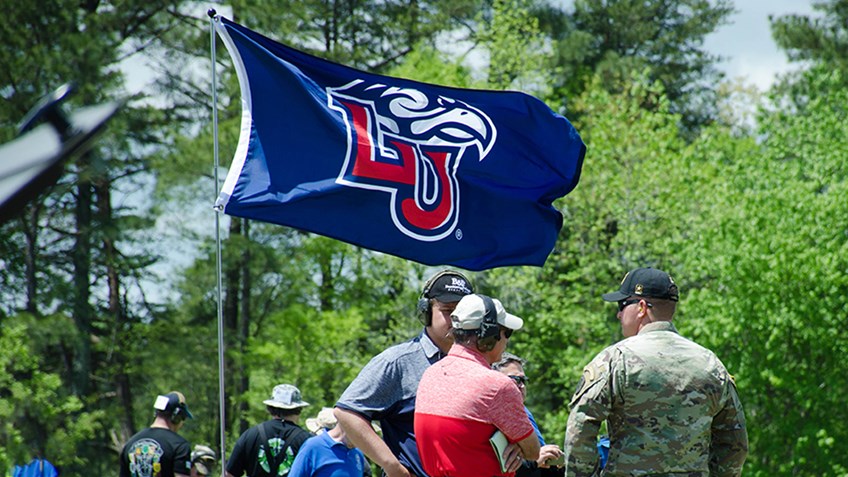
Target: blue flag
(439, 175)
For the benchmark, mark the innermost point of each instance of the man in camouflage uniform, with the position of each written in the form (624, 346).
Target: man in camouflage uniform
(671, 406)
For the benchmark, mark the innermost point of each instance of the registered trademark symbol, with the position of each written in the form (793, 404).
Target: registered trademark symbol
(458, 234)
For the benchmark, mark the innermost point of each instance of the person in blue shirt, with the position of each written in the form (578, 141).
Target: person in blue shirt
(329, 453)
(37, 467)
(513, 366)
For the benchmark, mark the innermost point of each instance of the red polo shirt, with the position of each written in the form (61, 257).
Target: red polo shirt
(460, 403)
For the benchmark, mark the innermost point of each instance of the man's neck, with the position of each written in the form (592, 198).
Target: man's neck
(162, 423)
(292, 419)
(471, 351)
(338, 435)
(444, 343)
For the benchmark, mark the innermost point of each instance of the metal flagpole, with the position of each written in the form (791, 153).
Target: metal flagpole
(220, 288)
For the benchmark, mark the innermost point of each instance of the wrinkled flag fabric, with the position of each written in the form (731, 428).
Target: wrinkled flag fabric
(439, 175)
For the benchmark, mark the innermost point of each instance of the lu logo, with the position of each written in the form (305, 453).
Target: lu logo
(410, 145)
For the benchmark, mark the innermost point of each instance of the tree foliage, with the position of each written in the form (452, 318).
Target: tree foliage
(751, 223)
(614, 39)
(38, 413)
(822, 38)
(779, 236)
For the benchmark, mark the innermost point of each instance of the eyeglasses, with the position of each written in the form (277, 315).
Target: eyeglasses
(625, 303)
(507, 332)
(519, 380)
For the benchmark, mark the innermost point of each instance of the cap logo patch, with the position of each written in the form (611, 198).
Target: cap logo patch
(638, 289)
(458, 285)
(161, 403)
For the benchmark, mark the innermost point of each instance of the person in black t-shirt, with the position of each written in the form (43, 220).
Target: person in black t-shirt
(268, 449)
(159, 451)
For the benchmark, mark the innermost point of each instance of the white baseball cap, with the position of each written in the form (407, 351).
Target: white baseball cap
(473, 310)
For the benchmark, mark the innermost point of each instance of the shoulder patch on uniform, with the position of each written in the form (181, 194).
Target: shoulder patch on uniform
(590, 374)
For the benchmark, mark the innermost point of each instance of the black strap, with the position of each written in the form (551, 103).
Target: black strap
(274, 461)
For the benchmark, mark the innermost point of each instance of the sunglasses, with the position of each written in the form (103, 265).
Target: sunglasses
(507, 332)
(625, 303)
(519, 380)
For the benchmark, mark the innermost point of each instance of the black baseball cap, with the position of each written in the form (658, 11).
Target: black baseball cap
(450, 287)
(645, 282)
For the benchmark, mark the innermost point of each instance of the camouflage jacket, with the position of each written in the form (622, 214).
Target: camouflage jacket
(671, 409)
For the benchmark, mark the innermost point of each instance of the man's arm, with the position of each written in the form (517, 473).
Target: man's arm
(512, 418)
(529, 447)
(235, 464)
(362, 435)
(589, 408)
(517, 453)
(182, 460)
(729, 446)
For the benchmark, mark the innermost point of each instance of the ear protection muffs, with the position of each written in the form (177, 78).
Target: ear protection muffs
(489, 332)
(177, 415)
(425, 309)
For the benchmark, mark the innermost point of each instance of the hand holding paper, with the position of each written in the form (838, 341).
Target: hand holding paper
(508, 454)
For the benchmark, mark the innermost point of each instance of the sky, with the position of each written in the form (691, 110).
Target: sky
(746, 42)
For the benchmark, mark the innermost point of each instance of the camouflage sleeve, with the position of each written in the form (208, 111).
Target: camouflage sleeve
(729, 446)
(588, 409)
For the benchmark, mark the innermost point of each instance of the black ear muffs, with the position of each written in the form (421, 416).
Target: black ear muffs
(177, 416)
(424, 309)
(489, 332)
(178, 412)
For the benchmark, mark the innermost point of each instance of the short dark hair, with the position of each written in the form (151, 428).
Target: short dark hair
(463, 337)
(170, 417)
(663, 309)
(281, 413)
(507, 358)
(471, 338)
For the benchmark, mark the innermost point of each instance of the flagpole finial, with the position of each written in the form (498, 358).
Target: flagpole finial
(211, 12)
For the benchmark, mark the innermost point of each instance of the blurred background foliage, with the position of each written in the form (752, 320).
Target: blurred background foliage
(107, 280)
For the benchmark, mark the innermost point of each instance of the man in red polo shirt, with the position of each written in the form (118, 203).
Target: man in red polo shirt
(461, 401)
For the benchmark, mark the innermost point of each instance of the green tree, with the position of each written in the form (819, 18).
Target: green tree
(812, 40)
(616, 38)
(367, 34)
(78, 248)
(38, 413)
(822, 38)
(514, 44)
(772, 254)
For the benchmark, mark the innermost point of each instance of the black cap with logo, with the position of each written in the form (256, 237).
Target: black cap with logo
(645, 282)
(450, 287)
